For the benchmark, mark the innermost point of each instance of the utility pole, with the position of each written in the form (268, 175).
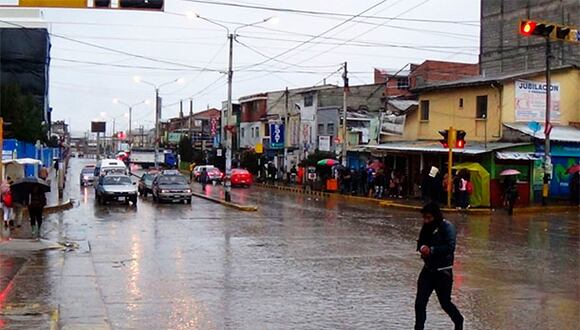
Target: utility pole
(189, 122)
(157, 115)
(286, 131)
(548, 127)
(130, 135)
(344, 113)
(228, 140)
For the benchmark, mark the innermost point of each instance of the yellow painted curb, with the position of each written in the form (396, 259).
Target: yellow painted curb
(541, 209)
(248, 208)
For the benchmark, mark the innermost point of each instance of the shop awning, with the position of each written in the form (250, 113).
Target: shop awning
(511, 155)
(473, 148)
(558, 133)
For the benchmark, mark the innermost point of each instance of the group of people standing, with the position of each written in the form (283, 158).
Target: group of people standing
(435, 187)
(372, 182)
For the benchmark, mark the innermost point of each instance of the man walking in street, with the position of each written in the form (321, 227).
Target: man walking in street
(436, 245)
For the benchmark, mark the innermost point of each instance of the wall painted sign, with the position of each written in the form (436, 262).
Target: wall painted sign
(393, 124)
(276, 136)
(324, 143)
(530, 101)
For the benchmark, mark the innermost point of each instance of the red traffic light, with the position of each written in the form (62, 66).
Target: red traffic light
(444, 142)
(460, 139)
(527, 27)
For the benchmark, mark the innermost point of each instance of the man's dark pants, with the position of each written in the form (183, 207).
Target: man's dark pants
(441, 282)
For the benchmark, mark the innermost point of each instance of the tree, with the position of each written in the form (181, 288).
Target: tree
(249, 161)
(185, 150)
(23, 113)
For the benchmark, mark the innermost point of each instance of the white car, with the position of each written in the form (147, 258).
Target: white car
(116, 188)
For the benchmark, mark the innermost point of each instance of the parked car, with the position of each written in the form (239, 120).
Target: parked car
(215, 175)
(197, 170)
(87, 176)
(145, 186)
(169, 186)
(116, 187)
(241, 177)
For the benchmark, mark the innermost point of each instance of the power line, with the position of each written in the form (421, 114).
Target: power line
(323, 13)
(321, 34)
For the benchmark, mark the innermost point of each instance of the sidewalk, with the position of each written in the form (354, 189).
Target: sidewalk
(414, 204)
(54, 204)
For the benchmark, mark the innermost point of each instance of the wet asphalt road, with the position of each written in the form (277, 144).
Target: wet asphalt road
(298, 263)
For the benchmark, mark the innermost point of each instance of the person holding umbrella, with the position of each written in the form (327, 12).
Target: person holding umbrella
(510, 189)
(31, 192)
(36, 205)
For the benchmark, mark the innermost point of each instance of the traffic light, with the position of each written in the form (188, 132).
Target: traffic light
(141, 4)
(529, 28)
(445, 141)
(460, 139)
(453, 137)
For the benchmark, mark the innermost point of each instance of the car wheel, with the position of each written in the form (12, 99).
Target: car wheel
(188, 201)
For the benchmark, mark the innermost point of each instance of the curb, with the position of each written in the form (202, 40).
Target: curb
(379, 202)
(554, 208)
(67, 205)
(248, 208)
(417, 208)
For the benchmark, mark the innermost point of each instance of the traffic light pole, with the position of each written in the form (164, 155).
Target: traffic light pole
(451, 142)
(547, 128)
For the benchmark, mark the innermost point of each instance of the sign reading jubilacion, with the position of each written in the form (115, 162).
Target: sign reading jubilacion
(530, 101)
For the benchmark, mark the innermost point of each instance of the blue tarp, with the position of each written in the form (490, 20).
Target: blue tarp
(17, 149)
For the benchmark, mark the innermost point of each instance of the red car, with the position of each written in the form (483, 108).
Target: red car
(241, 177)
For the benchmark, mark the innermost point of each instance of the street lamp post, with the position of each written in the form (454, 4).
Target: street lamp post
(229, 110)
(138, 79)
(130, 107)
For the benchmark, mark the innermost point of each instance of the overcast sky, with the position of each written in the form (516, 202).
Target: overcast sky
(85, 79)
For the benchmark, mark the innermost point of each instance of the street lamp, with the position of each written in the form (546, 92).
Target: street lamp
(130, 106)
(138, 80)
(229, 110)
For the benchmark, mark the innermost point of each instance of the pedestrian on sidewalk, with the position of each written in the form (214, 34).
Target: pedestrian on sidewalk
(7, 204)
(511, 194)
(436, 245)
(36, 204)
(203, 178)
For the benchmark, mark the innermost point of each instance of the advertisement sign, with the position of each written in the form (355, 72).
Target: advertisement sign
(276, 136)
(392, 124)
(324, 143)
(530, 101)
(98, 126)
(174, 137)
(214, 126)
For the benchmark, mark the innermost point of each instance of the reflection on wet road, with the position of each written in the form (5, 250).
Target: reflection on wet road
(298, 263)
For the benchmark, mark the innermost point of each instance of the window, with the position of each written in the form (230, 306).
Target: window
(197, 123)
(320, 129)
(481, 111)
(461, 103)
(308, 100)
(330, 129)
(425, 110)
(403, 83)
(243, 133)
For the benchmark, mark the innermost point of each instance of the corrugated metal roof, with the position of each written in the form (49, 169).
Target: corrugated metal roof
(482, 80)
(559, 133)
(403, 105)
(473, 148)
(512, 155)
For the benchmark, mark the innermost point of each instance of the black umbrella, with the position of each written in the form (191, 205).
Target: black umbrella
(21, 188)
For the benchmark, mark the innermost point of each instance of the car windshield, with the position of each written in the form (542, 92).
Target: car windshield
(172, 180)
(116, 181)
(240, 172)
(87, 170)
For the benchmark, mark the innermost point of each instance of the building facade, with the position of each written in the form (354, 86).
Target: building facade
(503, 50)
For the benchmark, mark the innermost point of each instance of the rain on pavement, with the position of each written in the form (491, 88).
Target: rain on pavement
(300, 262)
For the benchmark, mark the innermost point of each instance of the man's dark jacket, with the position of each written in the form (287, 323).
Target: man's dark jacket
(440, 238)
